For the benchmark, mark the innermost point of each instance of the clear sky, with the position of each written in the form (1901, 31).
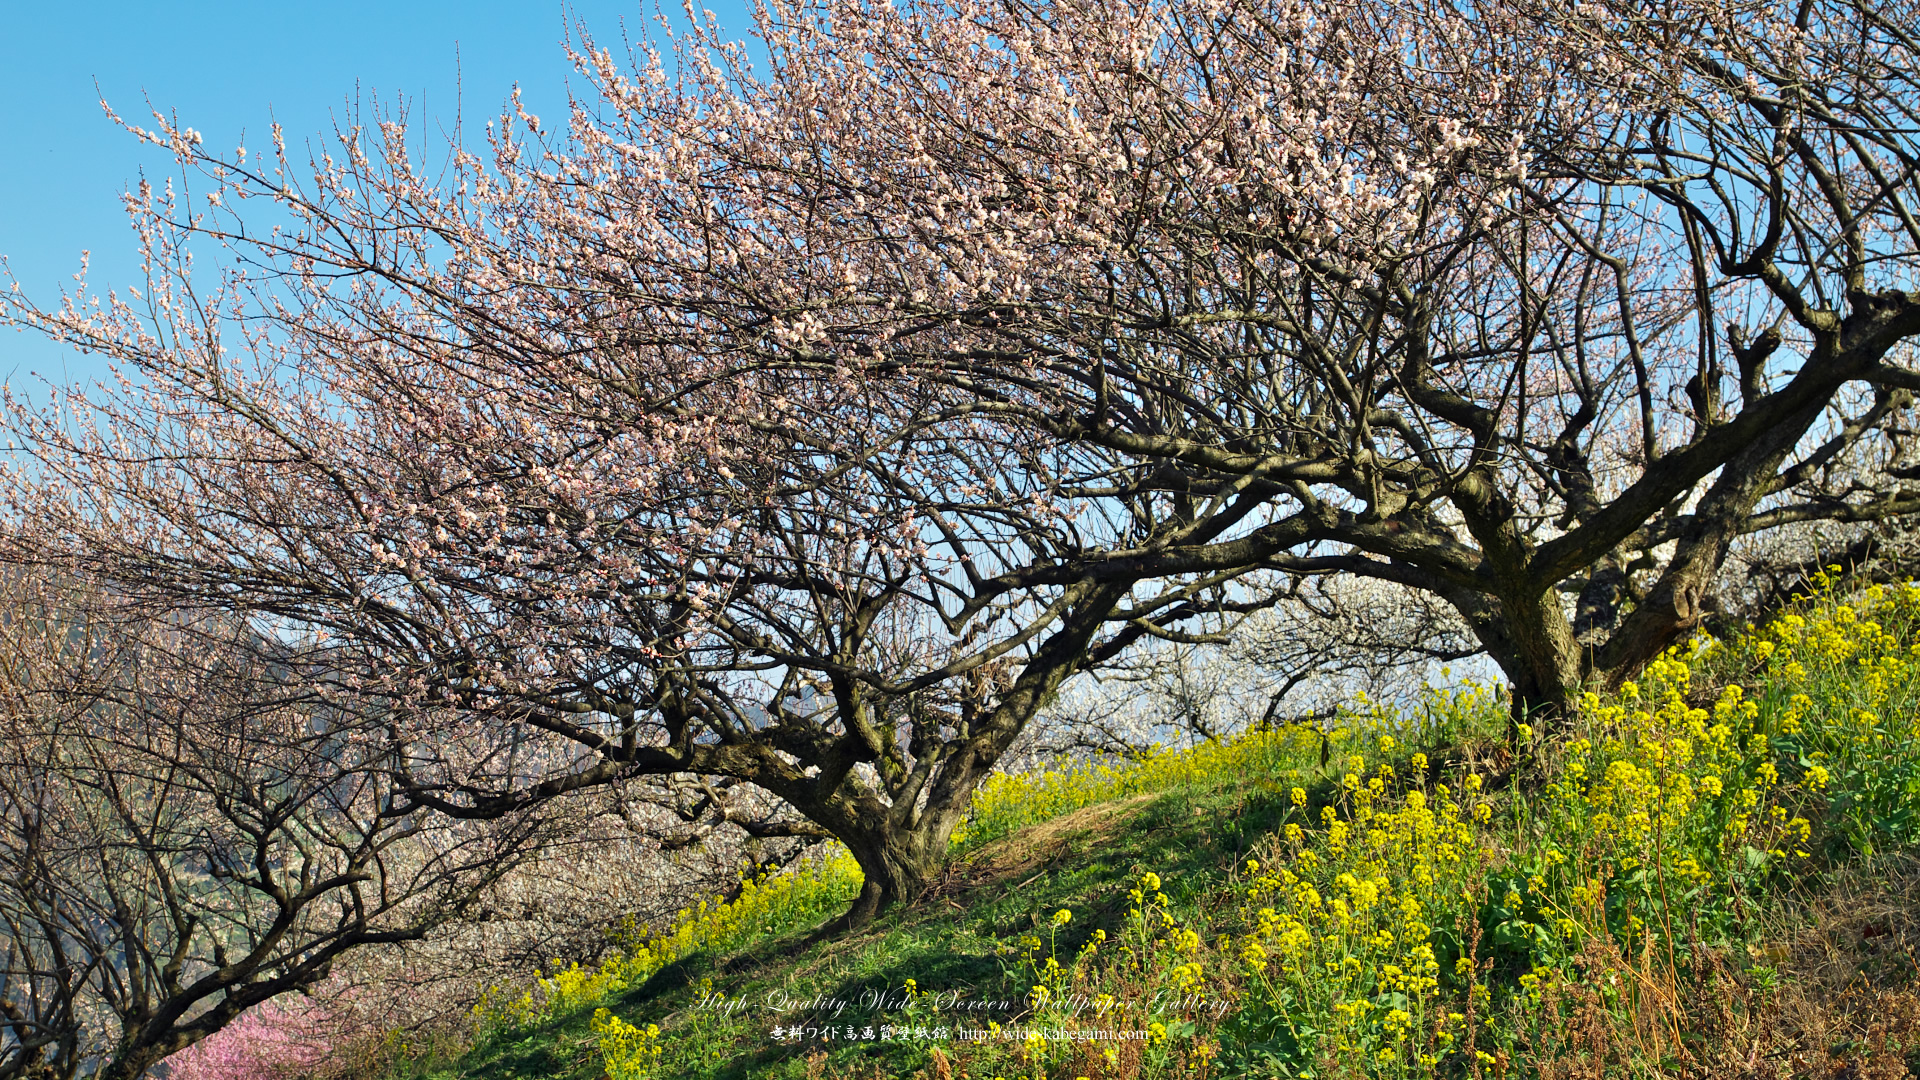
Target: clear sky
(229, 68)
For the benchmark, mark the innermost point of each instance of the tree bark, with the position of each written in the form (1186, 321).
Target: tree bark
(898, 864)
(901, 845)
(1532, 641)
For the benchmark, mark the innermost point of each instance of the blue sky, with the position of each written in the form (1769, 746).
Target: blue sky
(230, 68)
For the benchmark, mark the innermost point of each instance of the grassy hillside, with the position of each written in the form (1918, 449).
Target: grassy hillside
(1708, 876)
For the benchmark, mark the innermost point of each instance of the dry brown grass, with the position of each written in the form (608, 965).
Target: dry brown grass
(1861, 928)
(1834, 995)
(1014, 859)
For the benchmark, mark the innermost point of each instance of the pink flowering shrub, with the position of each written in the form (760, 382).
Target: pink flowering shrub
(279, 1040)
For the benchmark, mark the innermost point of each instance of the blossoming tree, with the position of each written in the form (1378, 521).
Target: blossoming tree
(807, 428)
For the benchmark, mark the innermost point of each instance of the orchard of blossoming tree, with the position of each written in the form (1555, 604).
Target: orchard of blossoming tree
(806, 426)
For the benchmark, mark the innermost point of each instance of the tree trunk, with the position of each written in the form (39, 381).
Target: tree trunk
(131, 1063)
(901, 843)
(899, 861)
(1544, 666)
(1533, 642)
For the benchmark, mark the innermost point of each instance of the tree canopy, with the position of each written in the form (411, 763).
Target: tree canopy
(810, 426)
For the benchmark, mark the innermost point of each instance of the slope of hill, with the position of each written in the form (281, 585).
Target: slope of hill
(1706, 876)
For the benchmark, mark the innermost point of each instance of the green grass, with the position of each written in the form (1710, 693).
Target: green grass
(952, 942)
(1190, 822)
(1630, 902)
